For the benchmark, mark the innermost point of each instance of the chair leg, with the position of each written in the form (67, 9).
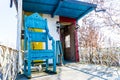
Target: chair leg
(47, 65)
(25, 70)
(29, 69)
(54, 65)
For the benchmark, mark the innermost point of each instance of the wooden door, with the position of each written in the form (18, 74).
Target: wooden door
(67, 39)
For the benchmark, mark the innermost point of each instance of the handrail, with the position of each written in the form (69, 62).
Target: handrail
(8, 63)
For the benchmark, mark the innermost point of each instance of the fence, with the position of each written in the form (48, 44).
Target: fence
(102, 56)
(8, 63)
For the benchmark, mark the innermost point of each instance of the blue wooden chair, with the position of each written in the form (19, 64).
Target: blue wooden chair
(36, 21)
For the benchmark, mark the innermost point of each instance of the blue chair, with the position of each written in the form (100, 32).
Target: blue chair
(31, 22)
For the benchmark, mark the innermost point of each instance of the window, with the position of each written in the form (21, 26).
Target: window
(67, 41)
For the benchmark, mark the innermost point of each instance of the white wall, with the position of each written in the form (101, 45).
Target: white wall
(52, 25)
(8, 24)
(51, 22)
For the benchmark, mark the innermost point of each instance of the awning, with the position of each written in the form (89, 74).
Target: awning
(66, 8)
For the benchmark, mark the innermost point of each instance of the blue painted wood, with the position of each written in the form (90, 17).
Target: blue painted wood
(36, 21)
(57, 8)
(87, 11)
(59, 52)
(37, 36)
(66, 8)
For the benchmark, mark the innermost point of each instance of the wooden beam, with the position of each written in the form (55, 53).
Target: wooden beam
(57, 8)
(85, 12)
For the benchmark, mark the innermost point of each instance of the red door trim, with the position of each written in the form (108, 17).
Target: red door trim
(65, 19)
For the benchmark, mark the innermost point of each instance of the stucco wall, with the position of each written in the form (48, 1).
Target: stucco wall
(52, 28)
(52, 25)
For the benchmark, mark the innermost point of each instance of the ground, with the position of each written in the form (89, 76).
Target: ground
(77, 71)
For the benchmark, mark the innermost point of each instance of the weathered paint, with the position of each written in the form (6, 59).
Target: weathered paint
(35, 45)
(76, 44)
(51, 25)
(67, 8)
(37, 22)
(51, 22)
(65, 19)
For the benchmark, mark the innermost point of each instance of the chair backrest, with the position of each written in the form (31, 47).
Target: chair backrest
(35, 21)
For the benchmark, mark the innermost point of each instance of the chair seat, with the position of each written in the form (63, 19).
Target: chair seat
(41, 54)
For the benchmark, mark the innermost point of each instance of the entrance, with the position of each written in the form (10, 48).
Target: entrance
(68, 41)
(68, 35)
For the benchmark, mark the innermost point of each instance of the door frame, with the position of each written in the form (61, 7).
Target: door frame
(65, 20)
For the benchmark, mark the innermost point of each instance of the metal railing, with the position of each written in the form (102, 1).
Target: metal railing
(8, 63)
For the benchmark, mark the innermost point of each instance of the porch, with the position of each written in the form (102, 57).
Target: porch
(77, 71)
(98, 67)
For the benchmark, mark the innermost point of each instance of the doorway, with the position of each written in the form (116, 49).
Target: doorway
(67, 38)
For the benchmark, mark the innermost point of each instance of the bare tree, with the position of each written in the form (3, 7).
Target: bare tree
(93, 35)
(88, 39)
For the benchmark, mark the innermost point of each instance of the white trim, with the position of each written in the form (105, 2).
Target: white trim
(19, 25)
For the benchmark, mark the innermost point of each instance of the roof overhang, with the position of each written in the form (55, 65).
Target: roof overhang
(66, 8)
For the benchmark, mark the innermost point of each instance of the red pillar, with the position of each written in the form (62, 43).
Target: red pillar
(76, 44)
